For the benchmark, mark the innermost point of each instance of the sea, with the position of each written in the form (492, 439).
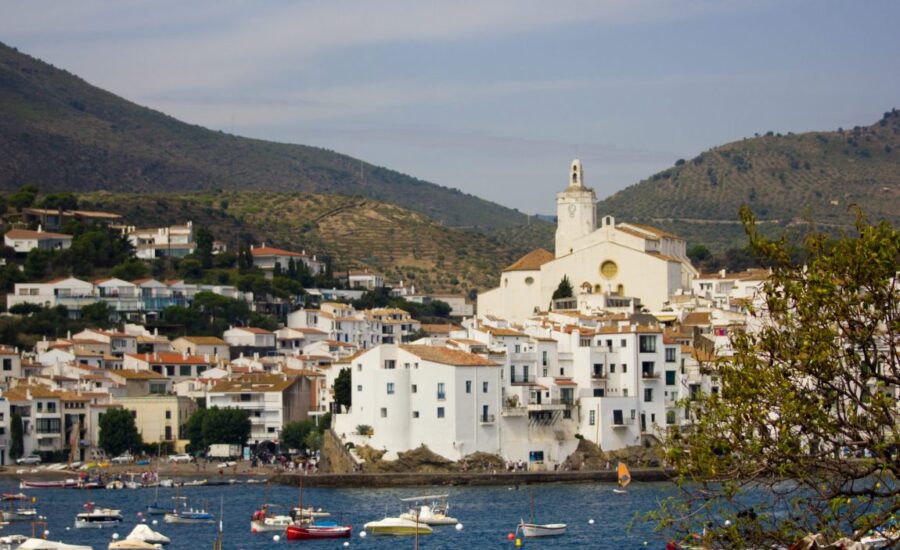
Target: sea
(596, 517)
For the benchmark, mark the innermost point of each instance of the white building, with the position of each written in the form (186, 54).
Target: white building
(26, 240)
(364, 279)
(202, 345)
(249, 337)
(340, 322)
(268, 258)
(624, 259)
(176, 241)
(413, 395)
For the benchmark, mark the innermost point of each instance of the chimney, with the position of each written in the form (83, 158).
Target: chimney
(722, 273)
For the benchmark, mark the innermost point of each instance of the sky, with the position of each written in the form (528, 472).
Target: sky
(493, 97)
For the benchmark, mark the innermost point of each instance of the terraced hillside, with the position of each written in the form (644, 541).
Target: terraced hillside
(60, 133)
(355, 232)
(785, 179)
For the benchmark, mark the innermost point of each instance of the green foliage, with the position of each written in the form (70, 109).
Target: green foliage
(294, 434)
(17, 437)
(190, 269)
(313, 441)
(54, 201)
(365, 430)
(118, 432)
(98, 314)
(698, 253)
(343, 389)
(211, 314)
(806, 415)
(131, 270)
(204, 239)
(564, 290)
(210, 426)
(24, 197)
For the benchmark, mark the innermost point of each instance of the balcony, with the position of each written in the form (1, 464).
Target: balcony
(486, 419)
(623, 423)
(670, 402)
(598, 376)
(521, 381)
(514, 411)
(650, 375)
(550, 405)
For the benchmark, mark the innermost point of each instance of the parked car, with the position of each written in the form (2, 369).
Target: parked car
(183, 457)
(30, 459)
(124, 458)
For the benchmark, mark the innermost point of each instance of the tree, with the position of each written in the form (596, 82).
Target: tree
(131, 270)
(564, 290)
(66, 201)
(342, 389)
(226, 426)
(98, 314)
(118, 432)
(204, 240)
(806, 421)
(24, 197)
(17, 435)
(194, 431)
(698, 253)
(294, 434)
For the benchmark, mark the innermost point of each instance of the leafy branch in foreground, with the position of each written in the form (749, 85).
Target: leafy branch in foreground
(803, 437)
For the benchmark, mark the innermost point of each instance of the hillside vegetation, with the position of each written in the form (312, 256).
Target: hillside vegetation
(355, 232)
(60, 133)
(785, 179)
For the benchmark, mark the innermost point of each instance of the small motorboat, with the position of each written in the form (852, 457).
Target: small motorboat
(41, 544)
(269, 524)
(115, 484)
(397, 526)
(10, 542)
(144, 533)
(63, 484)
(434, 513)
(309, 512)
(530, 530)
(97, 518)
(157, 510)
(189, 516)
(318, 530)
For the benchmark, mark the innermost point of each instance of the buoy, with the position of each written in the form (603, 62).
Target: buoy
(518, 543)
(591, 521)
(510, 536)
(459, 527)
(362, 534)
(727, 523)
(115, 536)
(276, 538)
(346, 544)
(155, 522)
(645, 543)
(46, 532)
(67, 528)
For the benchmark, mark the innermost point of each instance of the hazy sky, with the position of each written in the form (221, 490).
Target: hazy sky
(492, 97)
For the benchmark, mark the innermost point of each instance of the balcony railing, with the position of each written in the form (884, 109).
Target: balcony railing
(598, 376)
(486, 419)
(649, 374)
(521, 380)
(623, 423)
(514, 411)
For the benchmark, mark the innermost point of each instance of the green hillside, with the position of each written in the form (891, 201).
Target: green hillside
(60, 133)
(785, 179)
(355, 232)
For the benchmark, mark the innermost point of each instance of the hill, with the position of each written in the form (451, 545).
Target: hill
(355, 232)
(60, 133)
(785, 179)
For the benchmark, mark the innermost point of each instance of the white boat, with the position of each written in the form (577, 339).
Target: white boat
(309, 512)
(20, 514)
(434, 513)
(10, 542)
(189, 515)
(143, 532)
(132, 544)
(530, 530)
(271, 524)
(41, 544)
(397, 526)
(98, 518)
(115, 484)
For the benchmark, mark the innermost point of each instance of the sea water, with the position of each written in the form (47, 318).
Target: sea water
(488, 515)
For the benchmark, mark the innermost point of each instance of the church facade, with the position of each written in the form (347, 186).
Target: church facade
(601, 260)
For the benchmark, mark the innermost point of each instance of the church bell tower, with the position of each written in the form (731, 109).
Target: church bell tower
(576, 211)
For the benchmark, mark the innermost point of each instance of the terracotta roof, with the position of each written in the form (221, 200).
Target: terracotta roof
(272, 251)
(697, 318)
(565, 382)
(448, 356)
(467, 342)
(256, 382)
(495, 331)
(205, 340)
(129, 374)
(4, 350)
(440, 328)
(39, 235)
(349, 359)
(531, 261)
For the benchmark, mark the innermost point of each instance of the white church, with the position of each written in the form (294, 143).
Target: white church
(602, 261)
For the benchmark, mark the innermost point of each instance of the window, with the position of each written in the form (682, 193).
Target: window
(170, 370)
(545, 371)
(670, 378)
(484, 387)
(598, 392)
(648, 343)
(592, 417)
(653, 418)
(168, 414)
(271, 429)
(359, 367)
(390, 388)
(440, 412)
(7, 364)
(585, 343)
(562, 371)
(567, 414)
(441, 393)
(670, 355)
(623, 343)
(390, 364)
(612, 367)
(544, 358)
(359, 388)
(670, 417)
(415, 414)
(168, 433)
(413, 388)
(468, 386)
(624, 368)
(609, 344)
(40, 406)
(184, 370)
(647, 370)
(624, 392)
(51, 406)
(383, 412)
(648, 395)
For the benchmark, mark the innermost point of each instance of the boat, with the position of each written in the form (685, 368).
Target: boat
(143, 532)
(132, 544)
(624, 479)
(12, 513)
(10, 542)
(14, 496)
(433, 513)
(308, 512)
(115, 484)
(60, 484)
(194, 483)
(41, 544)
(397, 526)
(189, 516)
(318, 530)
(267, 524)
(97, 517)
(530, 530)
